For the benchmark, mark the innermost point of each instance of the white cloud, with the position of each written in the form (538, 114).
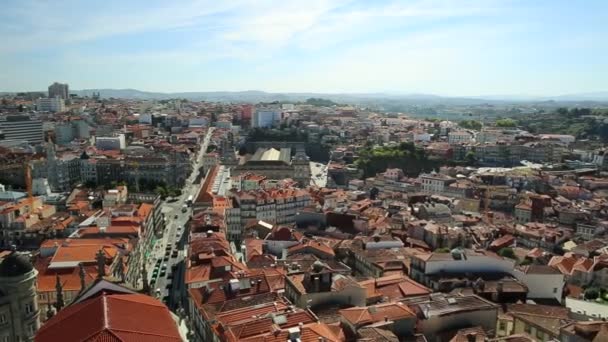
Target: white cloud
(259, 24)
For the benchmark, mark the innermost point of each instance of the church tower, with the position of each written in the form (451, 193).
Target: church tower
(227, 153)
(301, 167)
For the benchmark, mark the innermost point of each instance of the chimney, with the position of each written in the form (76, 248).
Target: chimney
(294, 333)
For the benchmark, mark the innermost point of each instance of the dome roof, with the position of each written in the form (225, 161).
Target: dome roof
(15, 264)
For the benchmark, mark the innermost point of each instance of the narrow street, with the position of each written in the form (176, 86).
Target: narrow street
(166, 263)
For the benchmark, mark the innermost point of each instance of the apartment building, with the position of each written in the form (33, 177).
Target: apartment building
(21, 128)
(275, 206)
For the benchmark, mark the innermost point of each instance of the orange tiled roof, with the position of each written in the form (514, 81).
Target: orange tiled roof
(309, 333)
(144, 210)
(376, 313)
(112, 317)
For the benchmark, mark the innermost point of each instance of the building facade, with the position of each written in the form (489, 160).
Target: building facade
(22, 128)
(266, 117)
(19, 312)
(51, 104)
(59, 90)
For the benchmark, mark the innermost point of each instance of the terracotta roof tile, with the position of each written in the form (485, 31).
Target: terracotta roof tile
(109, 316)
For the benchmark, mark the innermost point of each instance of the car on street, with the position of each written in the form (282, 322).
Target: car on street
(163, 273)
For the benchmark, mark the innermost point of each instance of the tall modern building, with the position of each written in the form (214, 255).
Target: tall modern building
(266, 117)
(22, 128)
(52, 104)
(19, 312)
(67, 131)
(59, 90)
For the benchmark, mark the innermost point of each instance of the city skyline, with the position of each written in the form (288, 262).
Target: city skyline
(473, 48)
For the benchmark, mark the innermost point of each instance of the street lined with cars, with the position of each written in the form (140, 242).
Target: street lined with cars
(170, 249)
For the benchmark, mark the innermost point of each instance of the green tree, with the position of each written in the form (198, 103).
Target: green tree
(525, 262)
(506, 123)
(470, 124)
(320, 102)
(470, 158)
(507, 252)
(162, 191)
(592, 293)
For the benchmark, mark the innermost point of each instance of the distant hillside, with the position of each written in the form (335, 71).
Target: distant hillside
(386, 101)
(261, 96)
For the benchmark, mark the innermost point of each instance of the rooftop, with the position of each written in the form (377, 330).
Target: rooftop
(111, 315)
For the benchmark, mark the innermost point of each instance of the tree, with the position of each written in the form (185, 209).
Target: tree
(90, 184)
(592, 293)
(470, 158)
(470, 124)
(525, 262)
(506, 123)
(162, 191)
(373, 193)
(320, 102)
(507, 252)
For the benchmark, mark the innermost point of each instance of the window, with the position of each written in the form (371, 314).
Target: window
(555, 290)
(29, 308)
(539, 334)
(502, 326)
(527, 329)
(2, 318)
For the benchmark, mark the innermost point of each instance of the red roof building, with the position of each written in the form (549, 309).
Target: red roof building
(110, 313)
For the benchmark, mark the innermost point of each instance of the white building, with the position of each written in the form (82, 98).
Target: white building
(266, 117)
(53, 104)
(564, 139)
(459, 137)
(458, 262)
(587, 308)
(422, 137)
(542, 281)
(40, 186)
(226, 124)
(111, 143)
(197, 122)
(145, 119)
(21, 128)
(435, 182)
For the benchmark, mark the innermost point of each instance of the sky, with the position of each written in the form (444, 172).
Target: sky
(450, 48)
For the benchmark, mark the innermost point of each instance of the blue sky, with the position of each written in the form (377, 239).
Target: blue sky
(454, 48)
